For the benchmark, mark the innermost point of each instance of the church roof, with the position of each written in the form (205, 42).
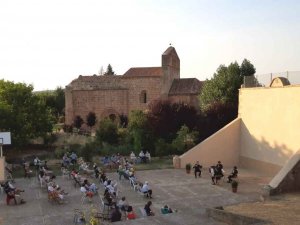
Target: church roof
(96, 82)
(185, 86)
(144, 72)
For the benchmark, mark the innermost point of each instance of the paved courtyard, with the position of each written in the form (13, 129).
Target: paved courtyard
(173, 187)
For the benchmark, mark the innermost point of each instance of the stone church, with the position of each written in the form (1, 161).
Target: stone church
(115, 95)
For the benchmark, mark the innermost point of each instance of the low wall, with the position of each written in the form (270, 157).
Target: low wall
(224, 145)
(2, 169)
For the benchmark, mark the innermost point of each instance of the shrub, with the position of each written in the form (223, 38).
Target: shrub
(59, 152)
(188, 166)
(234, 184)
(163, 148)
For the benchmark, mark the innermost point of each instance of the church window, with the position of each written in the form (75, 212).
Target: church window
(143, 97)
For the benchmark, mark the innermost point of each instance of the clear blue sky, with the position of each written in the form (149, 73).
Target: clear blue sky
(50, 43)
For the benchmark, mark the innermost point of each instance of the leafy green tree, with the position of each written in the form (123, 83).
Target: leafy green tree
(55, 100)
(91, 119)
(78, 121)
(109, 70)
(185, 139)
(137, 127)
(247, 68)
(223, 87)
(107, 132)
(23, 113)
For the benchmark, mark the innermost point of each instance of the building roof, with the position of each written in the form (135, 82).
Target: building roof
(96, 82)
(185, 86)
(144, 72)
(169, 50)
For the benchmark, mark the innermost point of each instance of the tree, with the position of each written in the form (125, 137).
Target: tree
(107, 132)
(55, 100)
(185, 139)
(78, 121)
(91, 119)
(23, 113)
(109, 70)
(223, 87)
(247, 68)
(166, 118)
(137, 128)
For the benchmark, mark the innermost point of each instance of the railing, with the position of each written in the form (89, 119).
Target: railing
(264, 80)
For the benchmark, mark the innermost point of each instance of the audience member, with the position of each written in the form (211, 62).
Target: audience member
(130, 214)
(146, 189)
(148, 209)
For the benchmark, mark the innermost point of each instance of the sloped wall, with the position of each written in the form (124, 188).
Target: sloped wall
(224, 145)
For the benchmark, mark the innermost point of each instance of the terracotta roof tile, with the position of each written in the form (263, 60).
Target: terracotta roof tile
(185, 86)
(144, 72)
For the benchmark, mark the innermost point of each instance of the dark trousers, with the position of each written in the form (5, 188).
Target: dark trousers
(197, 172)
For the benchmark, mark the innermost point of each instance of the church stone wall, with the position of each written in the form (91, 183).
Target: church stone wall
(100, 102)
(152, 86)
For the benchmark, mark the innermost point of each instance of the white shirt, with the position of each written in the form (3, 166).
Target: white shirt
(82, 189)
(145, 188)
(141, 154)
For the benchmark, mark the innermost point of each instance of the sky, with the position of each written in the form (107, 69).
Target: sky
(50, 43)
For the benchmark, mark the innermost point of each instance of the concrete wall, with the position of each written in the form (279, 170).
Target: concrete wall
(270, 126)
(224, 145)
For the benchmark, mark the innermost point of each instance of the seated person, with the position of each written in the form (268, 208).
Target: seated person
(142, 157)
(55, 191)
(132, 157)
(122, 204)
(86, 192)
(36, 162)
(146, 189)
(47, 172)
(96, 170)
(27, 171)
(166, 209)
(212, 174)
(197, 169)
(148, 156)
(9, 174)
(233, 174)
(148, 209)
(116, 215)
(90, 187)
(66, 160)
(12, 193)
(130, 214)
(219, 169)
(108, 198)
(73, 157)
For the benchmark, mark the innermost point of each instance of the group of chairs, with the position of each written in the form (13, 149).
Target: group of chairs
(47, 181)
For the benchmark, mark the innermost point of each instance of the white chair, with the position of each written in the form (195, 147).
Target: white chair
(133, 184)
(65, 173)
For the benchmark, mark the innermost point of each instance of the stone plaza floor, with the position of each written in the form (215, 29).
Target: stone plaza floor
(173, 187)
